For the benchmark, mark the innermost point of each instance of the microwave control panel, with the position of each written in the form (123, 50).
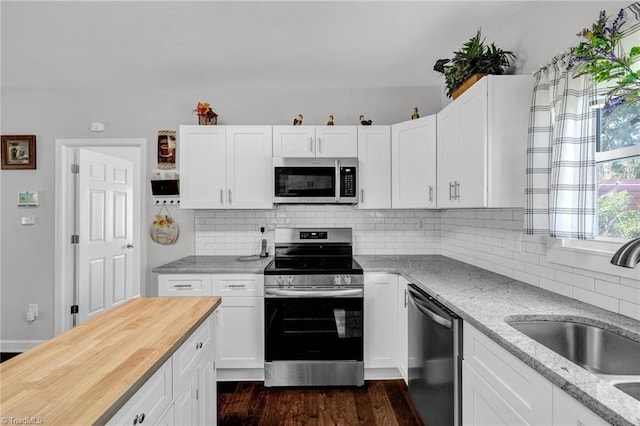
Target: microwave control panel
(347, 181)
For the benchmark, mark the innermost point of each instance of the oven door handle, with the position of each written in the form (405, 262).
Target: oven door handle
(358, 292)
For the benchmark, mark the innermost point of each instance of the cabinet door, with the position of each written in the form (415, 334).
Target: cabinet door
(413, 167)
(186, 403)
(449, 155)
(249, 167)
(403, 329)
(472, 189)
(240, 333)
(294, 141)
(374, 167)
(380, 320)
(569, 412)
(496, 383)
(201, 153)
(188, 356)
(184, 285)
(336, 141)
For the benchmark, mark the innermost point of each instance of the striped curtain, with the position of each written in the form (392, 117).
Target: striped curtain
(560, 173)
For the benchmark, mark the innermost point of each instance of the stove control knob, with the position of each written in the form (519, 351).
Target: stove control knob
(290, 280)
(280, 280)
(336, 279)
(347, 279)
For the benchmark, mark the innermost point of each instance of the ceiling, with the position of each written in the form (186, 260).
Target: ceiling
(266, 44)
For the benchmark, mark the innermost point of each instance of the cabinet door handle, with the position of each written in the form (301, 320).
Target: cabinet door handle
(362, 195)
(311, 144)
(229, 196)
(183, 285)
(319, 144)
(457, 190)
(221, 196)
(430, 193)
(451, 186)
(405, 297)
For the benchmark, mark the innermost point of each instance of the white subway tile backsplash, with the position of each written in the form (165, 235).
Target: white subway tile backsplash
(481, 237)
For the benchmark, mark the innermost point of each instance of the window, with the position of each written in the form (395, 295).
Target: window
(618, 172)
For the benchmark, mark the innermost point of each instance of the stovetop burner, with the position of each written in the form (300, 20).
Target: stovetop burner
(313, 251)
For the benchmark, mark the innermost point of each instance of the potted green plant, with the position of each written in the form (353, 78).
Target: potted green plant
(474, 60)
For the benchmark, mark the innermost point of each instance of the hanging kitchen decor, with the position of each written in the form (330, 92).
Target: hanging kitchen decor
(164, 229)
(166, 149)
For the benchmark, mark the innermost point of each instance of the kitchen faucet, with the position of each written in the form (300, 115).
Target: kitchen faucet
(628, 255)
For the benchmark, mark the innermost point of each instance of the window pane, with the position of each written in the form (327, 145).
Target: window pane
(619, 198)
(621, 128)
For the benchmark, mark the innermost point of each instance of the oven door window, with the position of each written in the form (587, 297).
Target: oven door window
(313, 329)
(305, 182)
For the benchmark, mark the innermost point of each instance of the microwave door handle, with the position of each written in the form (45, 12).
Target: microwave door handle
(337, 166)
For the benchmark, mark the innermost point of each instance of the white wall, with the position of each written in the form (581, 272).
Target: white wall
(27, 263)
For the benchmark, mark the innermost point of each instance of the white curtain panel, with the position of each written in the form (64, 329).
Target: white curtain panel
(560, 190)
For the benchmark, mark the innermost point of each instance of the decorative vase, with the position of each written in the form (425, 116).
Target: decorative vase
(467, 83)
(206, 120)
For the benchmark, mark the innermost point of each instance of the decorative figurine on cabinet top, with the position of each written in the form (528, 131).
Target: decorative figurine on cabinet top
(298, 120)
(365, 122)
(415, 113)
(330, 122)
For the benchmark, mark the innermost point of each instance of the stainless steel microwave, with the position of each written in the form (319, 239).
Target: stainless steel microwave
(315, 180)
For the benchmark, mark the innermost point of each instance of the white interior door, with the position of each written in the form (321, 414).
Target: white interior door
(105, 219)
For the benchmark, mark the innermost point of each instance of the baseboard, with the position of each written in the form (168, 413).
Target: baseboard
(239, 374)
(17, 346)
(381, 373)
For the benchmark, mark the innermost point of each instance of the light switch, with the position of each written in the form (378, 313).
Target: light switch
(28, 220)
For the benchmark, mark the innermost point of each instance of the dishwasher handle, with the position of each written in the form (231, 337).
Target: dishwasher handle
(418, 301)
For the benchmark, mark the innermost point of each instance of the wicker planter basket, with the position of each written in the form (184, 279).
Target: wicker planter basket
(467, 83)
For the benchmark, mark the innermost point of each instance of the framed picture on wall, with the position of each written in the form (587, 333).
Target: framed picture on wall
(18, 152)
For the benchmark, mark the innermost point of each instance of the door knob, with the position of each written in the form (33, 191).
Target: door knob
(129, 245)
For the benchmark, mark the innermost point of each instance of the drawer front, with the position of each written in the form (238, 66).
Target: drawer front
(149, 403)
(229, 285)
(521, 387)
(184, 285)
(186, 358)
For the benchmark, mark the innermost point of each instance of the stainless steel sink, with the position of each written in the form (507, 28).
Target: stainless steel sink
(593, 348)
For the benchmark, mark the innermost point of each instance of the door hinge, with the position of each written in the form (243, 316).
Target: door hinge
(75, 168)
(75, 239)
(74, 309)
(197, 394)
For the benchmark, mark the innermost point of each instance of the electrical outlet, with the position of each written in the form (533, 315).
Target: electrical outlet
(30, 316)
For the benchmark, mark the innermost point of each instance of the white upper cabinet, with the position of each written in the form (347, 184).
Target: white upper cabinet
(249, 167)
(225, 167)
(201, 153)
(482, 140)
(374, 167)
(315, 141)
(413, 164)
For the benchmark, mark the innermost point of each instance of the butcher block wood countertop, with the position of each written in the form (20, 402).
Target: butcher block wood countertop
(85, 375)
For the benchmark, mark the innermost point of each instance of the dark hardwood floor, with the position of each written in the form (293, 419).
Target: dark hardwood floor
(379, 402)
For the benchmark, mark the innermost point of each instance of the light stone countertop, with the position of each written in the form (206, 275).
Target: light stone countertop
(485, 299)
(215, 264)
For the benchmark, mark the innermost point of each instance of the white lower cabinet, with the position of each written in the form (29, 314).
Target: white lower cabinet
(499, 389)
(182, 391)
(380, 325)
(569, 412)
(239, 329)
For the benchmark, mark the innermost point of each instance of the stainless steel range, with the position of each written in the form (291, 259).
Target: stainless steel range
(314, 298)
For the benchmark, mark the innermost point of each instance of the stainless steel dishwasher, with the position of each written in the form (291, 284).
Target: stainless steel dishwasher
(435, 359)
